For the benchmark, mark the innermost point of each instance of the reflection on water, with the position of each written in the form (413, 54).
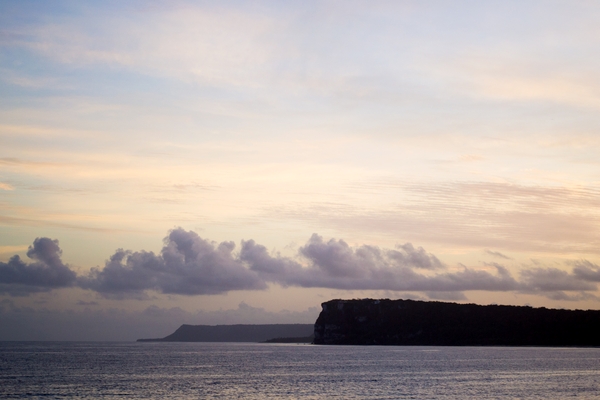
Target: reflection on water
(259, 371)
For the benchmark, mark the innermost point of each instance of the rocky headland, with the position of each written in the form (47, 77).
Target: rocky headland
(409, 322)
(237, 333)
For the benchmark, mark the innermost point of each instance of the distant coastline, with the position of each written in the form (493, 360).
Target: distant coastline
(238, 333)
(418, 323)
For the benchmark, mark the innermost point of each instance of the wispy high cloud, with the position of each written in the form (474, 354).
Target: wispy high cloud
(214, 44)
(11, 249)
(45, 221)
(552, 219)
(497, 254)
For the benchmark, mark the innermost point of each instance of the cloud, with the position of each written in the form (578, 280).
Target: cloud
(187, 265)
(550, 219)
(334, 264)
(336, 256)
(190, 265)
(212, 44)
(587, 271)
(562, 296)
(497, 254)
(46, 272)
(43, 221)
(553, 280)
(87, 303)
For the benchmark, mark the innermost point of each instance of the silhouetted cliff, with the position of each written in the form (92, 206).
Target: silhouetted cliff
(235, 333)
(408, 322)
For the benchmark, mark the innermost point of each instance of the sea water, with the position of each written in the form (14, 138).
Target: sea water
(276, 371)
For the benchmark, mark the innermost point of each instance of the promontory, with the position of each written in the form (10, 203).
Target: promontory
(239, 333)
(410, 322)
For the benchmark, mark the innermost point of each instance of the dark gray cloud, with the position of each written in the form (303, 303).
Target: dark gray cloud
(87, 303)
(187, 265)
(47, 271)
(586, 271)
(468, 279)
(337, 257)
(190, 265)
(281, 270)
(334, 264)
(562, 296)
(553, 280)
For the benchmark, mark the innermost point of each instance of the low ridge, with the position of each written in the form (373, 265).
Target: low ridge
(235, 333)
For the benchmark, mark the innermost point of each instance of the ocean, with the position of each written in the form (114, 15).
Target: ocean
(291, 371)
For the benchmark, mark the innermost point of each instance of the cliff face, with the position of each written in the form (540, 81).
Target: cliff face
(408, 322)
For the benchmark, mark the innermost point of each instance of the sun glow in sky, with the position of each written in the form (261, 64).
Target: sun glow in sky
(241, 162)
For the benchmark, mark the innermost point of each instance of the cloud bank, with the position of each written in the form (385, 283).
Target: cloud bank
(190, 265)
(46, 272)
(187, 265)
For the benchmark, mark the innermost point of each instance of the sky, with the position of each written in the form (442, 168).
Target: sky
(228, 162)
